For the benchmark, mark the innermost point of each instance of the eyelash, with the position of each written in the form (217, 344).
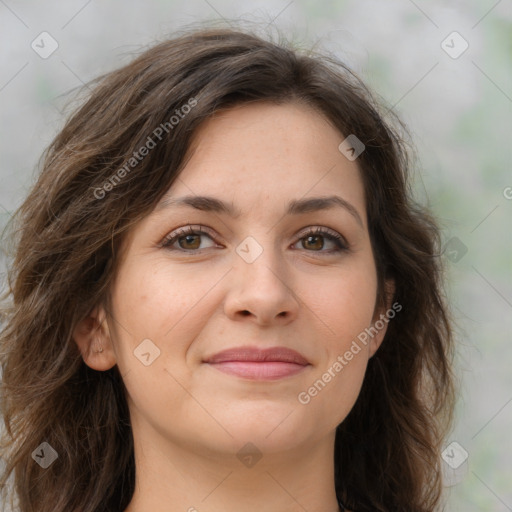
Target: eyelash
(333, 236)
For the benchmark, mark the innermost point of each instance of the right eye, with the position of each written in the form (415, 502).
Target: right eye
(188, 239)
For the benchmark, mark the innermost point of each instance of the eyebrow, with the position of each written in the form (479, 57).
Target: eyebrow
(295, 207)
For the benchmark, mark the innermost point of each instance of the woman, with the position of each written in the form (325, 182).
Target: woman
(224, 297)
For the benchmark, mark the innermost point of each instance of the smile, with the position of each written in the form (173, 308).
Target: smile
(255, 363)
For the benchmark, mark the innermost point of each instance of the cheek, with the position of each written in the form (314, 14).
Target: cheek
(157, 311)
(345, 305)
(333, 391)
(345, 302)
(161, 303)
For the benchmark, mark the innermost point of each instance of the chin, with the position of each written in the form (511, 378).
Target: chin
(270, 431)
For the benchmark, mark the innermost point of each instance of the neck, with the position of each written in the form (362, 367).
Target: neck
(171, 477)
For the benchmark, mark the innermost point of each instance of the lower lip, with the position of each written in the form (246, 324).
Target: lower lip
(269, 370)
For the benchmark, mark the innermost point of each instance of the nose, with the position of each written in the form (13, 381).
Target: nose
(261, 291)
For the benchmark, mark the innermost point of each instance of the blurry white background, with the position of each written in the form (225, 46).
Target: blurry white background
(457, 102)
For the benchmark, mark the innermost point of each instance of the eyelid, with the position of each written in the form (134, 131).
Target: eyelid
(185, 230)
(322, 230)
(338, 239)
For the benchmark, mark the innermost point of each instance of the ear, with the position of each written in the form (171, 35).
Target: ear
(382, 316)
(92, 337)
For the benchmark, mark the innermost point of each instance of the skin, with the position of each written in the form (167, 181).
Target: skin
(190, 420)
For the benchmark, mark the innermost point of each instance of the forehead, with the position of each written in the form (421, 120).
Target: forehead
(258, 154)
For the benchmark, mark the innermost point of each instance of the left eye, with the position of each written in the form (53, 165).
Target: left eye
(189, 240)
(315, 240)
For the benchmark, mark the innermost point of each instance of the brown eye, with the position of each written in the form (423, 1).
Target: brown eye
(187, 239)
(313, 242)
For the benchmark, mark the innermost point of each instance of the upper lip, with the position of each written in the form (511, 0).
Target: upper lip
(255, 354)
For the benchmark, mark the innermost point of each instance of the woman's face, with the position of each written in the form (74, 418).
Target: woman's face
(270, 268)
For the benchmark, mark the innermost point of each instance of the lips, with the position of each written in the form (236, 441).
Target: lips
(258, 355)
(259, 364)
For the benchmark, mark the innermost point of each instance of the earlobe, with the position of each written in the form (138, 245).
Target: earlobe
(377, 340)
(383, 317)
(92, 337)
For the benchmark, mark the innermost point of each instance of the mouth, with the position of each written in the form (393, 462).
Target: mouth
(259, 364)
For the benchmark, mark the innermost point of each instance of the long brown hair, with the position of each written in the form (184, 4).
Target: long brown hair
(66, 237)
